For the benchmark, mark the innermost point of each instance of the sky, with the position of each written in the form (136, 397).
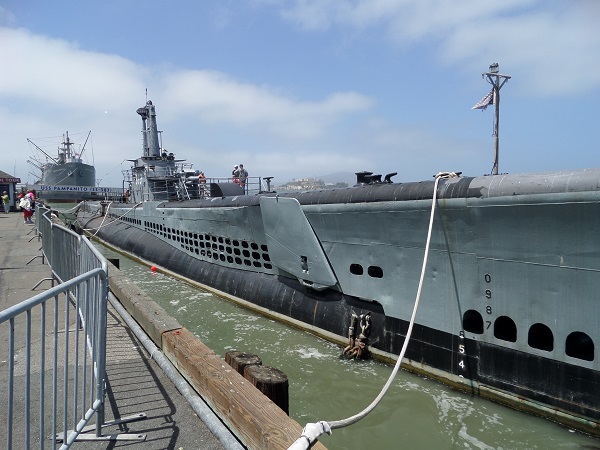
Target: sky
(302, 88)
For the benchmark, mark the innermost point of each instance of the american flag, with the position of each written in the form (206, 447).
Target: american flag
(485, 101)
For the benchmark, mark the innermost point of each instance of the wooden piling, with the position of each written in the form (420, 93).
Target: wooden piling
(239, 360)
(271, 382)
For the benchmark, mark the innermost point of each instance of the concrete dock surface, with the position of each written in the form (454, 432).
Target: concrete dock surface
(135, 383)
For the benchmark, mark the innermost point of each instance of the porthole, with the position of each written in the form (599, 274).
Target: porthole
(356, 269)
(579, 345)
(472, 322)
(505, 329)
(375, 271)
(540, 337)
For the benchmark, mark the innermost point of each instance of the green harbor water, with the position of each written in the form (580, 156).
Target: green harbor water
(416, 413)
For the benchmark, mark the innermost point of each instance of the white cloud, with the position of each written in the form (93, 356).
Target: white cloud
(410, 18)
(554, 45)
(55, 71)
(216, 97)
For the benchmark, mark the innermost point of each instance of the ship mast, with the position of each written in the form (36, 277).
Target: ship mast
(66, 149)
(497, 81)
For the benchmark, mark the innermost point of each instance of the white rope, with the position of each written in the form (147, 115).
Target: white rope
(102, 224)
(312, 431)
(73, 209)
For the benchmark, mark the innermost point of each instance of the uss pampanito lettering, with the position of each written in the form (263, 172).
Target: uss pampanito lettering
(74, 188)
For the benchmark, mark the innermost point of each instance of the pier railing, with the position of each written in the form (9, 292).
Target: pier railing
(56, 346)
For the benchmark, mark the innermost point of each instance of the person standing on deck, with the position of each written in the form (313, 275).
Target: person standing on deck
(25, 205)
(5, 202)
(235, 174)
(243, 177)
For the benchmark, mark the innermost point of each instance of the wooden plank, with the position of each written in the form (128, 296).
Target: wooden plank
(256, 420)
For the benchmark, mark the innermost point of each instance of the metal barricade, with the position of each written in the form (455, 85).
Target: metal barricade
(68, 254)
(62, 375)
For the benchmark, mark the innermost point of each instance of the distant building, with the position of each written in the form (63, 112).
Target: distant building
(8, 183)
(309, 184)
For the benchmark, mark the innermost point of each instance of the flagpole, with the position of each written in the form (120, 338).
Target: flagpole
(497, 81)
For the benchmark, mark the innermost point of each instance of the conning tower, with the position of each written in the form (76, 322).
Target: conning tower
(149, 130)
(153, 175)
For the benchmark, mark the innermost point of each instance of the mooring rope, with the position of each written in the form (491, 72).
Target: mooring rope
(102, 224)
(73, 209)
(312, 431)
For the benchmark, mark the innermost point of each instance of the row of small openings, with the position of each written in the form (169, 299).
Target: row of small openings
(125, 218)
(372, 271)
(219, 248)
(131, 220)
(577, 345)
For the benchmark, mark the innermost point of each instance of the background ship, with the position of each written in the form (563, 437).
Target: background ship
(509, 308)
(64, 178)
